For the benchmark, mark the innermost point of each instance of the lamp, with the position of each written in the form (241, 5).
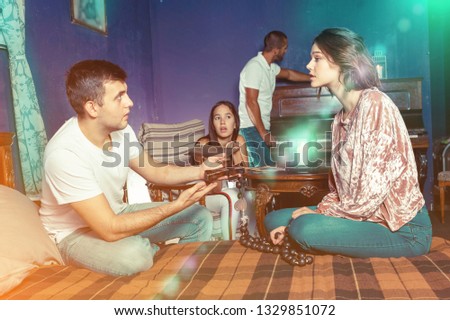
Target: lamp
(380, 64)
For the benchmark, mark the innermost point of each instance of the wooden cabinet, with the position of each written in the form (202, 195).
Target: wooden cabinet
(299, 114)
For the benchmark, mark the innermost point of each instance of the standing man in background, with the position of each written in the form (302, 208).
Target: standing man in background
(256, 86)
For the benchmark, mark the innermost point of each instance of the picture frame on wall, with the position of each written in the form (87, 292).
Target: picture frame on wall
(90, 14)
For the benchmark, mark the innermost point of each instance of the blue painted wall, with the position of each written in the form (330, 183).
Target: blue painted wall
(201, 46)
(54, 44)
(439, 28)
(184, 55)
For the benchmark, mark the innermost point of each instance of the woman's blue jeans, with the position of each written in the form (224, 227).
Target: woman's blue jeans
(320, 234)
(134, 254)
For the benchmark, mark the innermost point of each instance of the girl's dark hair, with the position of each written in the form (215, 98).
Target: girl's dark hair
(347, 49)
(212, 135)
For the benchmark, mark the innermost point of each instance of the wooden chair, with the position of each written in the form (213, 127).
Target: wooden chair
(443, 180)
(159, 193)
(6, 166)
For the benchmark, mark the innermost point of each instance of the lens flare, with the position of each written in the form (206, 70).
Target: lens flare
(404, 25)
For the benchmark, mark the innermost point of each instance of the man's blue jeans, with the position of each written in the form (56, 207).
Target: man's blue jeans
(318, 234)
(258, 151)
(134, 254)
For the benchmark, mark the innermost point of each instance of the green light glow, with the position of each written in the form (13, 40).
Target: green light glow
(439, 4)
(302, 148)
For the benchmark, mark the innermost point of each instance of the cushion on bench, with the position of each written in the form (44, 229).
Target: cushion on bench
(171, 143)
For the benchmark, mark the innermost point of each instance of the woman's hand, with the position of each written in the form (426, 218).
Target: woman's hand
(277, 235)
(301, 211)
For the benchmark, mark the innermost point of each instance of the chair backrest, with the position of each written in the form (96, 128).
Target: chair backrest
(6, 162)
(445, 157)
(171, 143)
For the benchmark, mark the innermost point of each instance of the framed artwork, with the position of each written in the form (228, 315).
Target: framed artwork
(90, 14)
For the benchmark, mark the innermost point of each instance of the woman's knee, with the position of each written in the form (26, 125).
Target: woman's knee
(278, 218)
(305, 229)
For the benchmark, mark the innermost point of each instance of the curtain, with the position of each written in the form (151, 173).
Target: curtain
(30, 128)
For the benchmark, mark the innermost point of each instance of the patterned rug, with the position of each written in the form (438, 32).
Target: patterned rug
(227, 270)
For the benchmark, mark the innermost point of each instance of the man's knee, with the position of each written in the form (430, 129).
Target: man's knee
(202, 214)
(137, 263)
(135, 257)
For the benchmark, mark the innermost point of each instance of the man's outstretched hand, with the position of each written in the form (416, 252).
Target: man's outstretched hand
(192, 195)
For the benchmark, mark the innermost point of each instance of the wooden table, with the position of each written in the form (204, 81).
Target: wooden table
(277, 188)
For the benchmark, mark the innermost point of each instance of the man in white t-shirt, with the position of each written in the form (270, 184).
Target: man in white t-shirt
(256, 86)
(86, 165)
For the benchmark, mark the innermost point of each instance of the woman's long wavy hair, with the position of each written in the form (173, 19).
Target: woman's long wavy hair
(346, 49)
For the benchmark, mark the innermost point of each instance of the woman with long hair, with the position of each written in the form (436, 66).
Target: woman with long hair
(375, 207)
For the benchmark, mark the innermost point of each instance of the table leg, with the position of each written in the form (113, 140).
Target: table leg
(263, 196)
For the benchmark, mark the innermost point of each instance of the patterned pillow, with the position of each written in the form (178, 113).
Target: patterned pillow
(171, 143)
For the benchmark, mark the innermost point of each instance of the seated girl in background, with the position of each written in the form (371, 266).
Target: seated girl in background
(223, 131)
(375, 207)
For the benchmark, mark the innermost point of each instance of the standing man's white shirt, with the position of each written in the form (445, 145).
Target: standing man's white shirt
(80, 171)
(257, 74)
